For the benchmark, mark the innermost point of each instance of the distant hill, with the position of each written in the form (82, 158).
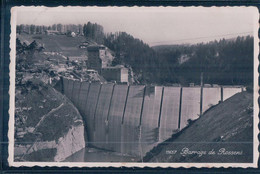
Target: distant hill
(170, 46)
(228, 61)
(178, 53)
(159, 47)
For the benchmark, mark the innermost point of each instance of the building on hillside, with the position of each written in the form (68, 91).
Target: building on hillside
(91, 72)
(85, 44)
(99, 57)
(51, 32)
(95, 56)
(102, 55)
(77, 58)
(73, 34)
(115, 73)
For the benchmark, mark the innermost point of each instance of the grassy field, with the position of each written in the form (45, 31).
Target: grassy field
(68, 46)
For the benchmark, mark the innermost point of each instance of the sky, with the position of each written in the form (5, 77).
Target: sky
(154, 25)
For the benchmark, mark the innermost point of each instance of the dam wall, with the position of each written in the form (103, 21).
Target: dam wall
(132, 119)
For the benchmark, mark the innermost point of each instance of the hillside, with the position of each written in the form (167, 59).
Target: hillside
(38, 109)
(228, 125)
(67, 46)
(224, 62)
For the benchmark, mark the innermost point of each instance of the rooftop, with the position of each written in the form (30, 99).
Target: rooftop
(95, 47)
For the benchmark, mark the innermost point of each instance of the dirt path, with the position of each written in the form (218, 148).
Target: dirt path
(46, 115)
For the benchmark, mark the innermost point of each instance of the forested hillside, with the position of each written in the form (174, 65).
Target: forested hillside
(137, 54)
(94, 32)
(226, 62)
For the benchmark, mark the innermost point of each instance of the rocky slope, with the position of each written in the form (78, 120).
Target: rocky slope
(47, 125)
(223, 134)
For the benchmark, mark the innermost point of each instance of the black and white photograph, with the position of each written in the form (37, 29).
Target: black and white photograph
(134, 86)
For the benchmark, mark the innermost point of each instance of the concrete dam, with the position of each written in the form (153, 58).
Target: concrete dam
(133, 119)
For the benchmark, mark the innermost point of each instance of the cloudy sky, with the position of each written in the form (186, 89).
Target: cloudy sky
(155, 26)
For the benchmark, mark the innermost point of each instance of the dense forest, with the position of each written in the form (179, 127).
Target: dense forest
(226, 62)
(133, 52)
(40, 29)
(94, 32)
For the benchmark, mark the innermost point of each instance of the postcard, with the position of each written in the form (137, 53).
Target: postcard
(134, 86)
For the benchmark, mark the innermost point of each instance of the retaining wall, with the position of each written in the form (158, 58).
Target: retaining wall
(134, 119)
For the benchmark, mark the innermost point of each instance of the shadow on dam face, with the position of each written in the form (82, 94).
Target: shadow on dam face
(132, 120)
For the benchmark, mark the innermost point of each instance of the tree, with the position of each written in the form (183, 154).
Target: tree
(18, 29)
(84, 29)
(88, 31)
(37, 29)
(59, 27)
(80, 29)
(32, 29)
(54, 27)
